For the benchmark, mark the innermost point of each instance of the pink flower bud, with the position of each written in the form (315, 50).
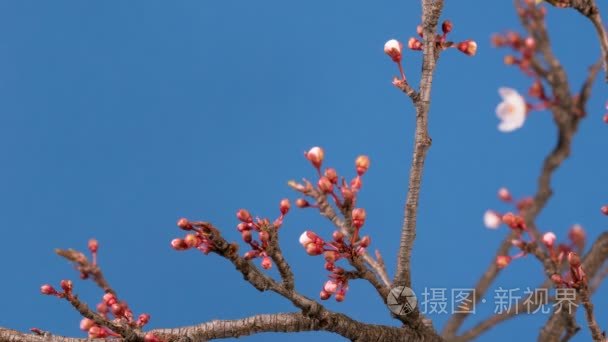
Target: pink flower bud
(143, 319)
(86, 324)
(97, 332)
(362, 164)
(266, 263)
(109, 299)
(339, 297)
(313, 249)
(358, 215)
(102, 308)
(66, 285)
(284, 206)
(315, 155)
(251, 255)
(330, 286)
(447, 27)
(47, 289)
(191, 240)
(420, 31)
(330, 256)
(604, 208)
(243, 226)
(332, 175)
(503, 261)
(504, 195)
(468, 47)
(244, 216)
(179, 244)
(184, 224)
(150, 337)
(116, 309)
(338, 236)
(302, 203)
(530, 43)
(246, 235)
(325, 184)
(330, 266)
(393, 49)
(549, 239)
(414, 44)
(324, 295)
(93, 245)
(605, 118)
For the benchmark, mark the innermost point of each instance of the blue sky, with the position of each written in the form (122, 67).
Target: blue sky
(117, 118)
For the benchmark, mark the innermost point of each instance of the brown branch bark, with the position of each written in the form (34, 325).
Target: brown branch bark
(589, 9)
(431, 11)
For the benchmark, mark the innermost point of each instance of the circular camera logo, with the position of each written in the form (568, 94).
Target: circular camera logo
(401, 300)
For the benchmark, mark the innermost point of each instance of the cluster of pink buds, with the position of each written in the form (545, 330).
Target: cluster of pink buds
(575, 277)
(493, 219)
(197, 238)
(394, 49)
(247, 226)
(330, 183)
(338, 248)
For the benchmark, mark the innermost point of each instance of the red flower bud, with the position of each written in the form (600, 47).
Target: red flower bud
(116, 309)
(313, 249)
(339, 297)
(102, 308)
(420, 31)
(362, 164)
(447, 27)
(315, 155)
(604, 208)
(330, 256)
(347, 194)
(243, 226)
(143, 319)
(150, 337)
(244, 216)
(338, 236)
(251, 255)
(284, 206)
(66, 285)
(324, 295)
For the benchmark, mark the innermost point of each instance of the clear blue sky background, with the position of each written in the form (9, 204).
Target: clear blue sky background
(118, 117)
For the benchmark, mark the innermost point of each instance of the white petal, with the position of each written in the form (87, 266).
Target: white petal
(491, 219)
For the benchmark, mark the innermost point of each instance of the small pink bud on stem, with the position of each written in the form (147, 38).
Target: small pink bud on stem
(315, 155)
(549, 239)
(66, 285)
(244, 216)
(362, 165)
(93, 245)
(266, 263)
(604, 208)
(284, 206)
(302, 203)
(503, 261)
(332, 175)
(468, 47)
(447, 27)
(358, 215)
(505, 195)
(414, 44)
(184, 224)
(48, 290)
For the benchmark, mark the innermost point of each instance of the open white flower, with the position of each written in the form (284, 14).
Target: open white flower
(491, 219)
(511, 111)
